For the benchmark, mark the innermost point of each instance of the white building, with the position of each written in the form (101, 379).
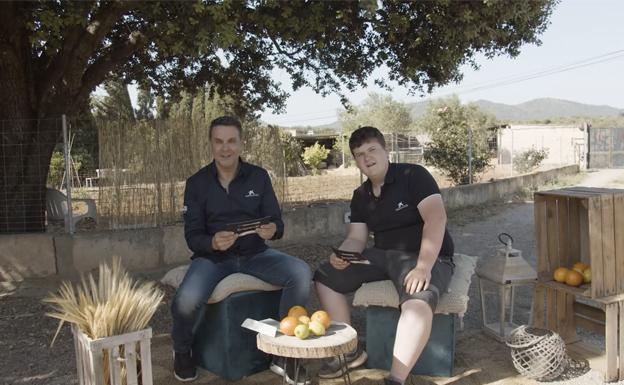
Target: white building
(565, 144)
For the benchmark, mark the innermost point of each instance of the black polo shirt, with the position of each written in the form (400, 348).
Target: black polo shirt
(208, 207)
(393, 217)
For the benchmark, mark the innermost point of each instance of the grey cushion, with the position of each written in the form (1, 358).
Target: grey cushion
(233, 283)
(454, 301)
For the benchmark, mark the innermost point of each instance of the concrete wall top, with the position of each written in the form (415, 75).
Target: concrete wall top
(37, 255)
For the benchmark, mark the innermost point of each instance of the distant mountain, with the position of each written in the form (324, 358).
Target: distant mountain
(536, 109)
(547, 108)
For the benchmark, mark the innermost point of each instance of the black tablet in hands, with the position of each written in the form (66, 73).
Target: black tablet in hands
(350, 256)
(248, 226)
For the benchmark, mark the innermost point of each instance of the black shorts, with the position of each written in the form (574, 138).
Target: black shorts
(387, 264)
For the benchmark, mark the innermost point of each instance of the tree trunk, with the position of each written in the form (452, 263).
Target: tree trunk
(27, 138)
(26, 148)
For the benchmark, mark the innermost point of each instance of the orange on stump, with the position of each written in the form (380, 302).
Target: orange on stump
(297, 311)
(288, 325)
(322, 317)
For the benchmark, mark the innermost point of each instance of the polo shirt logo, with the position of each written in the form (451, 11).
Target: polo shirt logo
(401, 206)
(251, 194)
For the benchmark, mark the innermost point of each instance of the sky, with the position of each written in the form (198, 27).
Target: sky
(583, 38)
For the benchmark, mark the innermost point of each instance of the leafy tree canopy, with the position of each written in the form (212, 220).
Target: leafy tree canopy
(450, 125)
(65, 49)
(53, 54)
(378, 111)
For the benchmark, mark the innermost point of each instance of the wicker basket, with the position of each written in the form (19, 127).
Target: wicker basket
(539, 354)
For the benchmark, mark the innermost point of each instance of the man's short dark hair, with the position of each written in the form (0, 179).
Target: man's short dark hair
(225, 121)
(363, 135)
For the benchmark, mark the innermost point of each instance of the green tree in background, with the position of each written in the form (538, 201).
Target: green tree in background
(450, 124)
(162, 107)
(145, 104)
(380, 111)
(314, 155)
(54, 55)
(115, 104)
(183, 107)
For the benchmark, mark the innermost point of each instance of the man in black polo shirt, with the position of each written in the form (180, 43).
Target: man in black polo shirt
(229, 190)
(401, 204)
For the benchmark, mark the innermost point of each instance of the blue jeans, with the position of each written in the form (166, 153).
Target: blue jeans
(271, 266)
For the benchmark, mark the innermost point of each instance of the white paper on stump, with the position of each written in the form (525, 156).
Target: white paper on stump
(268, 326)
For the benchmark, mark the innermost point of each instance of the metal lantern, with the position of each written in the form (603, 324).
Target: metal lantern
(506, 271)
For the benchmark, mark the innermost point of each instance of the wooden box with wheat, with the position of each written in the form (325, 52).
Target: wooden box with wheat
(109, 319)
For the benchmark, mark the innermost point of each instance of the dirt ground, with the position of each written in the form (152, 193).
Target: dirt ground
(27, 358)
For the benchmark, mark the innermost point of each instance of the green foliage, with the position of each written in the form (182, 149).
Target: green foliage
(529, 160)
(234, 46)
(145, 101)
(314, 155)
(292, 154)
(183, 107)
(60, 51)
(341, 145)
(115, 104)
(449, 124)
(378, 111)
(57, 168)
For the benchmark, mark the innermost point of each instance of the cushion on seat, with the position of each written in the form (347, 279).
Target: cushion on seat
(454, 301)
(233, 283)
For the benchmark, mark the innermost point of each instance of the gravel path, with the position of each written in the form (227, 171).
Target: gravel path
(27, 358)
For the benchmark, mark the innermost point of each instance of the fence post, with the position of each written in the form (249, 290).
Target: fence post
(158, 125)
(469, 155)
(69, 223)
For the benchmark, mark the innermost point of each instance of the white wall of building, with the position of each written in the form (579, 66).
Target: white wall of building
(565, 144)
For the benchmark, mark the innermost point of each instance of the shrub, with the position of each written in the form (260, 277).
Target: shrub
(529, 160)
(314, 155)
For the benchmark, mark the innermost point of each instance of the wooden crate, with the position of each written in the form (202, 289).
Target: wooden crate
(582, 224)
(109, 360)
(587, 225)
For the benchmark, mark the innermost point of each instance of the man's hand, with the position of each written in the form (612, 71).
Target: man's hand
(338, 263)
(417, 280)
(267, 231)
(223, 240)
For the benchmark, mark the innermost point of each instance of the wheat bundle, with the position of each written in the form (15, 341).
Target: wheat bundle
(114, 304)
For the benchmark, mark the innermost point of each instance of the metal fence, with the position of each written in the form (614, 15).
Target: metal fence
(25, 149)
(404, 148)
(68, 175)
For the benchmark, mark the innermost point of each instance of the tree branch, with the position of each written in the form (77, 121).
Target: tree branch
(51, 67)
(97, 72)
(285, 53)
(68, 63)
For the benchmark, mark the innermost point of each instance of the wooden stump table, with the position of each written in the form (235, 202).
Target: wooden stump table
(338, 340)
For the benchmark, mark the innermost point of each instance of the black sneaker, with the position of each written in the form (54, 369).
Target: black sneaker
(184, 367)
(389, 381)
(331, 367)
(277, 367)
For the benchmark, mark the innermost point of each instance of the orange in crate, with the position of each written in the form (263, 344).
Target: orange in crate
(560, 274)
(582, 224)
(573, 278)
(580, 267)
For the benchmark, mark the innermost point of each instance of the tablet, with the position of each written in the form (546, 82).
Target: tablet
(350, 256)
(248, 226)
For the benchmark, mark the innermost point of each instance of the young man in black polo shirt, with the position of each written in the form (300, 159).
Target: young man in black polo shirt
(401, 204)
(229, 190)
